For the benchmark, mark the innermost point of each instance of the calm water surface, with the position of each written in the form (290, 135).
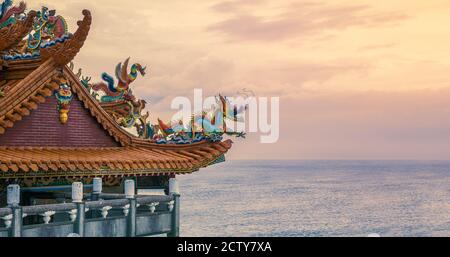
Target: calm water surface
(317, 198)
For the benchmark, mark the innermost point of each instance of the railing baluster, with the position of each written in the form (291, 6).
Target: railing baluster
(72, 215)
(47, 216)
(126, 209)
(170, 205)
(7, 220)
(152, 206)
(105, 211)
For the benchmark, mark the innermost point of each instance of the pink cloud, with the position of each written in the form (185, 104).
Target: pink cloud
(299, 20)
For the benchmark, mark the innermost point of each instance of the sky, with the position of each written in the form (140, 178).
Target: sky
(356, 79)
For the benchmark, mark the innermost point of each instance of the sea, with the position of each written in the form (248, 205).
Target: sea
(317, 199)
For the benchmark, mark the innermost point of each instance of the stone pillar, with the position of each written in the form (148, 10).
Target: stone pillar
(175, 219)
(13, 201)
(131, 217)
(129, 188)
(13, 195)
(77, 192)
(77, 197)
(173, 186)
(97, 186)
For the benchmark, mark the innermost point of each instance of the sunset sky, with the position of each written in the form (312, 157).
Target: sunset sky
(356, 79)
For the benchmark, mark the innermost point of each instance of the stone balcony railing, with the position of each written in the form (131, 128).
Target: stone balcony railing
(93, 215)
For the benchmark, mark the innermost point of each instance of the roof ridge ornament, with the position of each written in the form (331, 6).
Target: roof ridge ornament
(118, 100)
(48, 27)
(9, 14)
(120, 91)
(14, 25)
(209, 125)
(64, 52)
(48, 35)
(64, 97)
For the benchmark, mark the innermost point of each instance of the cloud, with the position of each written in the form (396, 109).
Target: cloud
(186, 45)
(234, 6)
(298, 20)
(376, 47)
(295, 75)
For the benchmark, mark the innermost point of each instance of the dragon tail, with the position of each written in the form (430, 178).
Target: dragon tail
(165, 128)
(4, 7)
(150, 131)
(61, 26)
(6, 14)
(110, 81)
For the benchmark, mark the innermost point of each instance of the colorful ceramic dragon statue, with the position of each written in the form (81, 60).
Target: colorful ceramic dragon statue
(118, 99)
(122, 90)
(209, 125)
(8, 14)
(48, 27)
(134, 114)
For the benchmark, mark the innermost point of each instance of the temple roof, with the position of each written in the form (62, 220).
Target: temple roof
(26, 83)
(137, 156)
(22, 162)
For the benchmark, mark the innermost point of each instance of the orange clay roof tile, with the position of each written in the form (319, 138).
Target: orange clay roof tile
(21, 160)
